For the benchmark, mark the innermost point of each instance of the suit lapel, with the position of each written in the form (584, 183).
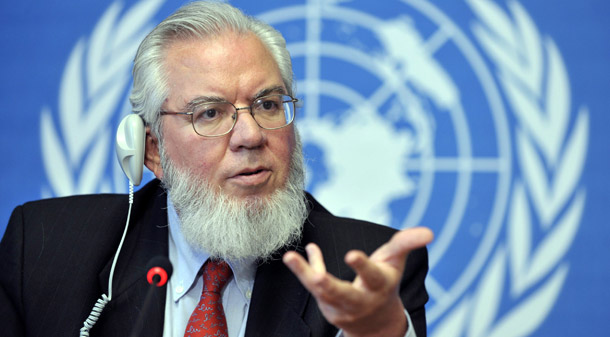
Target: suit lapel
(278, 303)
(147, 237)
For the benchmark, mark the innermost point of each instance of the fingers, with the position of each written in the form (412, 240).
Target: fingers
(368, 271)
(411, 238)
(373, 295)
(312, 273)
(403, 242)
(313, 276)
(306, 271)
(316, 260)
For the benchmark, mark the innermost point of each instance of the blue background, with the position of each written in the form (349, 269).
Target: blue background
(37, 38)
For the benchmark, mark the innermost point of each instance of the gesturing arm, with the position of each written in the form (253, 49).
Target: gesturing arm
(369, 306)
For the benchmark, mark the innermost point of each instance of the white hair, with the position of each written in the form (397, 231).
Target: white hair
(195, 20)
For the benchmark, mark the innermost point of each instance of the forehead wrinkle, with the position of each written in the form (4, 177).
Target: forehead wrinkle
(203, 99)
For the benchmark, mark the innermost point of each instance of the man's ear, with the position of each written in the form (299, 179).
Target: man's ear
(152, 159)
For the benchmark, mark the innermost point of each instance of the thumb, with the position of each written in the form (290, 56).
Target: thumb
(403, 242)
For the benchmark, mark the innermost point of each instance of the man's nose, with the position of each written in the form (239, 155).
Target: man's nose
(246, 132)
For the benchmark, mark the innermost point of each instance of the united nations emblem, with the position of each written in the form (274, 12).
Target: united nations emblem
(410, 118)
(408, 121)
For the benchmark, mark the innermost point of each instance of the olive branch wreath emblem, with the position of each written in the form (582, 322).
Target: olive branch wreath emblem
(546, 206)
(75, 150)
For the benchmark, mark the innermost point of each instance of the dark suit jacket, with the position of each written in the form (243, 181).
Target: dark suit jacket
(56, 254)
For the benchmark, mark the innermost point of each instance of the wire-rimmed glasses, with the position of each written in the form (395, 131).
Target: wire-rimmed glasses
(214, 119)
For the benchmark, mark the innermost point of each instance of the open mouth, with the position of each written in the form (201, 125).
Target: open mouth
(250, 173)
(252, 176)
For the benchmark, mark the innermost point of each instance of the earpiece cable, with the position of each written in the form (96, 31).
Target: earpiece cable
(101, 303)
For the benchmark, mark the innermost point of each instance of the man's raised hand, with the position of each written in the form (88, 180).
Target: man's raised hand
(370, 305)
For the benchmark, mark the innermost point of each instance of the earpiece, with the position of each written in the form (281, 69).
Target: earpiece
(130, 137)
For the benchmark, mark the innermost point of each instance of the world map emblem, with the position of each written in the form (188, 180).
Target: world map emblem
(494, 170)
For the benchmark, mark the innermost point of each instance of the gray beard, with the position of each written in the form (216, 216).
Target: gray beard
(230, 228)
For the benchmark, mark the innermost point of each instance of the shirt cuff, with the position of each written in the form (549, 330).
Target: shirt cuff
(410, 330)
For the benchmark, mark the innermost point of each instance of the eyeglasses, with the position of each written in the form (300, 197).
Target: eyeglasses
(214, 119)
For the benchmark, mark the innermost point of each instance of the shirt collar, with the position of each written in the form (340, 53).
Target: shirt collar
(187, 261)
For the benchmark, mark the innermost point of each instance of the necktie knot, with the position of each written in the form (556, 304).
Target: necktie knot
(216, 274)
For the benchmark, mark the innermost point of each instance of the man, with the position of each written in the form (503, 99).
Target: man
(215, 90)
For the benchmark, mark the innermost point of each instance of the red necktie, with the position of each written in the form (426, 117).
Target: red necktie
(208, 318)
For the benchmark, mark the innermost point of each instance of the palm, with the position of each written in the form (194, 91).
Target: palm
(369, 305)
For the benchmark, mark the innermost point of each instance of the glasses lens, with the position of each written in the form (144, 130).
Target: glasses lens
(213, 119)
(274, 111)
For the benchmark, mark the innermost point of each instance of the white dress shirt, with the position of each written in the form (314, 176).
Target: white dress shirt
(185, 286)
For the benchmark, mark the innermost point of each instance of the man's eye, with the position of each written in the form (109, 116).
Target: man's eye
(209, 114)
(268, 104)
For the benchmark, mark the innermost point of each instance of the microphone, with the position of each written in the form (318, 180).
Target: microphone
(159, 271)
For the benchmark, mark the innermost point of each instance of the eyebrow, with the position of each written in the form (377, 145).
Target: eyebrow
(202, 100)
(278, 89)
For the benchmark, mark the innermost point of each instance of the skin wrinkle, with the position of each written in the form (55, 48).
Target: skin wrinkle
(245, 76)
(222, 211)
